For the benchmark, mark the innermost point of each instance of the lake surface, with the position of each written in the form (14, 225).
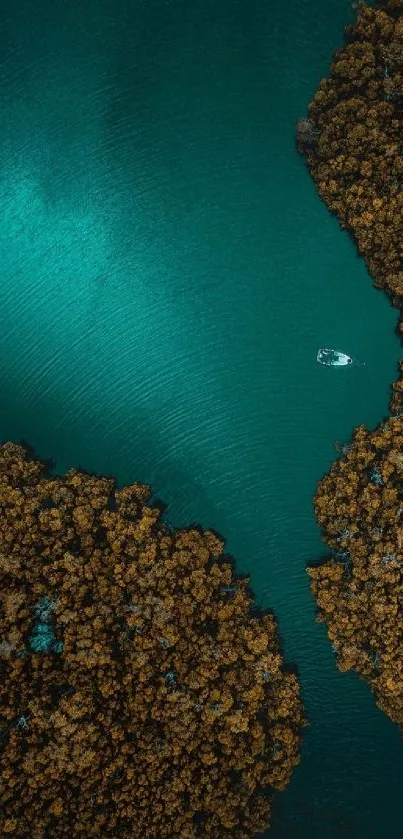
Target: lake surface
(167, 275)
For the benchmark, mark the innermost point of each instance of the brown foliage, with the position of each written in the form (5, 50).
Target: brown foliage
(356, 118)
(160, 706)
(359, 590)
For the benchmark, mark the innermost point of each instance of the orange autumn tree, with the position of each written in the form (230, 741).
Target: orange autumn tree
(139, 694)
(359, 589)
(352, 140)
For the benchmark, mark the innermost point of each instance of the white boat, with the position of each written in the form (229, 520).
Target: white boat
(333, 358)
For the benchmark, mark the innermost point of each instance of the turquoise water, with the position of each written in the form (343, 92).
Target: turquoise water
(168, 274)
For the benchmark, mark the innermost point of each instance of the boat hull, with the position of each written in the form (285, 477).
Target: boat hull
(333, 358)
